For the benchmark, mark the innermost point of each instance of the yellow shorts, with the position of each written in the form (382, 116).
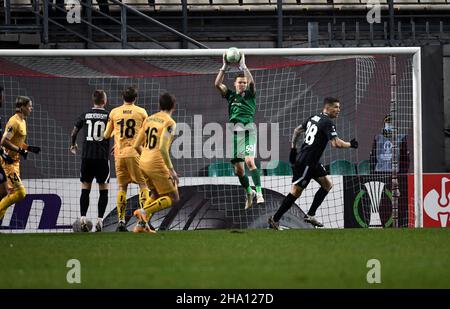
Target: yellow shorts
(159, 179)
(127, 171)
(12, 172)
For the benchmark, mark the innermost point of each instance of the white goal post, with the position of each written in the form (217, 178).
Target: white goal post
(414, 52)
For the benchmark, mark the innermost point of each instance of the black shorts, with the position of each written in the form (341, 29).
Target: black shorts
(2, 175)
(94, 168)
(303, 173)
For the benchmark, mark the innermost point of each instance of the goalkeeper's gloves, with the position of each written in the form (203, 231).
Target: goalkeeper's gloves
(242, 65)
(34, 149)
(6, 158)
(293, 156)
(23, 153)
(353, 143)
(225, 63)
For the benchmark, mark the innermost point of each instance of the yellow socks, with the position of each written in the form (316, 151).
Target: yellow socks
(155, 206)
(144, 196)
(121, 205)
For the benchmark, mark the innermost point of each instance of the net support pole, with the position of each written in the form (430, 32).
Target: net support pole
(123, 26)
(395, 149)
(7, 5)
(88, 9)
(184, 43)
(45, 22)
(313, 34)
(279, 23)
(417, 127)
(391, 22)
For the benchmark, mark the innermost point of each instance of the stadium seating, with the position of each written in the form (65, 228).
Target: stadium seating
(236, 5)
(252, 5)
(255, 2)
(285, 2)
(342, 167)
(232, 5)
(218, 169)
(197, 5)
(137, 3)
(364, 167)
(314, 1)
(168, 5)
(278, 168)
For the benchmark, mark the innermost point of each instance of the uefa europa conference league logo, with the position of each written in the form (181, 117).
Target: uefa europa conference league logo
(438, 207)
(375, 190)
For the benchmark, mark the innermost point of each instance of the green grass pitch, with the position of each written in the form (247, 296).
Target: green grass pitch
(410, 258)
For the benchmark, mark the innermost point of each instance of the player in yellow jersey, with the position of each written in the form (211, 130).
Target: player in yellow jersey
(14, 141)
(124, 123)
(153, 143)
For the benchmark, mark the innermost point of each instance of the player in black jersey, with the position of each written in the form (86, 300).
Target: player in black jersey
(319, 129)
(7, 159)
(95, 157)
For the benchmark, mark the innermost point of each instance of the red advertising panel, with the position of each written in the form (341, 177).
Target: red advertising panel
(436, 200)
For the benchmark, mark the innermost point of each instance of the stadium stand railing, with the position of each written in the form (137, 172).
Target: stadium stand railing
(259, 5)
(271, 5)
(50, 14)
(338, 22)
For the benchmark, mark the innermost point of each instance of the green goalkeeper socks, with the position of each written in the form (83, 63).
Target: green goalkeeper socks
(245, 183)
(256, 176)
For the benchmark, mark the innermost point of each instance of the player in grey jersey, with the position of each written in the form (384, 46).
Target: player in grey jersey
(319, 129)
(95, 157)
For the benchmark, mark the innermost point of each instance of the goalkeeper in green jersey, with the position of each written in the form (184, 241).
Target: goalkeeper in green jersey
(241, 108)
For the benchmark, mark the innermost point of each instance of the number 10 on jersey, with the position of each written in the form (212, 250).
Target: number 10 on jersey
(95, 130)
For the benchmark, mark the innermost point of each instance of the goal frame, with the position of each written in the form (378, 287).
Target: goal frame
(416, 80)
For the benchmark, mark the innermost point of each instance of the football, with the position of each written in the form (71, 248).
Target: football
(76, 226)
(233, 55)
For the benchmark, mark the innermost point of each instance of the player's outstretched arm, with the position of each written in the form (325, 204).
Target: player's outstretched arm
(338, 143)
(109, 128)
(5, 142)
(73, 140)
(295, 137)
(164, 148)
(33, 149)
(5, 157)
(247, 73)
(219, 79)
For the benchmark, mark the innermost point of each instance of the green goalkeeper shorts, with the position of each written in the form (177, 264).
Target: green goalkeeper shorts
(244, 145)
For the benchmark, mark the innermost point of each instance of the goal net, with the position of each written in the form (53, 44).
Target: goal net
(377, 88)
